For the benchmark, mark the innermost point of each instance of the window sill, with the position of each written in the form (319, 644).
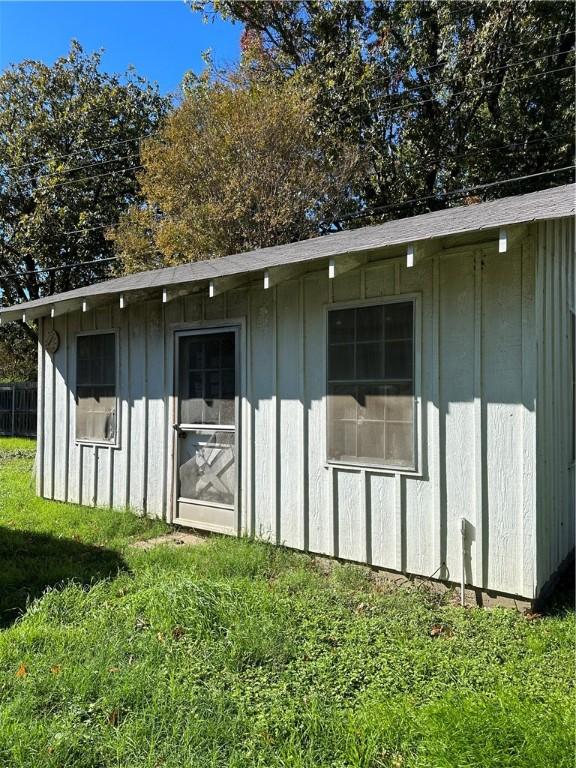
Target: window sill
(374, 469)
(96, 444)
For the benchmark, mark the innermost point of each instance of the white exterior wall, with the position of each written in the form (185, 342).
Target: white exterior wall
(555, 300)
(477, 418)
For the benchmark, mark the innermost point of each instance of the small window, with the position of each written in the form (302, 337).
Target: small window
(371, 385)
(96, 387)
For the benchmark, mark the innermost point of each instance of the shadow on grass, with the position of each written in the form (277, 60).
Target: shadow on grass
(31, 562)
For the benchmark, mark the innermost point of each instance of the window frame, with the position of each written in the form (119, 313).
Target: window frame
(86, 441)
(379, 467)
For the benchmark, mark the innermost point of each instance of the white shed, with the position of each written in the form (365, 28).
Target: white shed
(357, 395)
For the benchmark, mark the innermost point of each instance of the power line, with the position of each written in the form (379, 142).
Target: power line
(60, 267)
(558, 35)
(79, 151)
(89, 178)
(404, 107)
(77, 168)
(447, 82)
(96, 227)
(450, 193)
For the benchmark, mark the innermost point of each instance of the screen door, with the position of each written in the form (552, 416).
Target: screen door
(207, 429)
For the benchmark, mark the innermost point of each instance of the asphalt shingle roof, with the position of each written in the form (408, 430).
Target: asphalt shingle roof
(552, 203)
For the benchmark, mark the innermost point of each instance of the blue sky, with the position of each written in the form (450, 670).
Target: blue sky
(162, 39)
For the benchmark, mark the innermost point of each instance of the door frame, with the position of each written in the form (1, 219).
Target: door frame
(177, 331)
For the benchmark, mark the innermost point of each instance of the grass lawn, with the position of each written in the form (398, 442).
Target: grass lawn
(237, 654)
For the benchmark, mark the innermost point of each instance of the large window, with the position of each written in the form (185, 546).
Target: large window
(371, 385)
(96, 387)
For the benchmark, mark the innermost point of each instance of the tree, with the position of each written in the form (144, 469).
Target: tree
(238, 165)
(438, 96)
(69, 151)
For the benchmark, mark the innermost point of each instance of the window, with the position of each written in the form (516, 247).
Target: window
(208, 379)
(371, 385)
(96, 387)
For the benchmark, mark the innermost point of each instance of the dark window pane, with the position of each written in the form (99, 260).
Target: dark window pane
(399, 320)
(369, 362)
(341, 325)
(398, 360)
(212, 352)
(207, 393)
(227, 351)
(341, 362)
(369, 324)
(212, 385)
(195, 352)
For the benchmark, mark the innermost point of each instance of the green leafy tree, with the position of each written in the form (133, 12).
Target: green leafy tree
(437, 95)
(69, 153)
(238, 165)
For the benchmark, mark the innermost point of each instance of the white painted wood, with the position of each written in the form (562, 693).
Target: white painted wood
(264, 430)
(155, 376)
(503, 241)
(410, 255)
(493, 433)
(289, 423)
(349, 490)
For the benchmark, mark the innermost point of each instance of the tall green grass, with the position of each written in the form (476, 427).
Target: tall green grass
(234, 653)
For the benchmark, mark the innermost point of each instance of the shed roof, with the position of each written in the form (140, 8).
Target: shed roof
(552, 203)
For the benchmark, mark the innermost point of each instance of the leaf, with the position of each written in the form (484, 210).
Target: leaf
(56, 669)
(21, 671)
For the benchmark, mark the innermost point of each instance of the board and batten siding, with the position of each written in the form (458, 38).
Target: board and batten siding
(477, 422)
(555, 305)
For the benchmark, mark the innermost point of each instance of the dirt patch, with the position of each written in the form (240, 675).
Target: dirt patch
(173, 539)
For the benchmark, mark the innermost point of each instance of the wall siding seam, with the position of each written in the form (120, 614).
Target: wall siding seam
(480, 572)
(53, 424)
(144, 502)
(67, 407)
(436, 447)
(526, 585)
(127, 356)
(276, 427)
(40, 409)
(304, 442)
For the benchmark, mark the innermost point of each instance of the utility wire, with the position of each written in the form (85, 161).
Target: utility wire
(412, 105)
(72, 152)
(362, 214)
(60, 267)
(428, 84)
(450, 193)
(76, 168)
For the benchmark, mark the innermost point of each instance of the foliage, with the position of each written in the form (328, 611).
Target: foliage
(238, 165)
(18, 354)
(438, 95)
(69, 144)
(238, 654)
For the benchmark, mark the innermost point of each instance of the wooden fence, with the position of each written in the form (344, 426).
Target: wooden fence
(18, 407)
